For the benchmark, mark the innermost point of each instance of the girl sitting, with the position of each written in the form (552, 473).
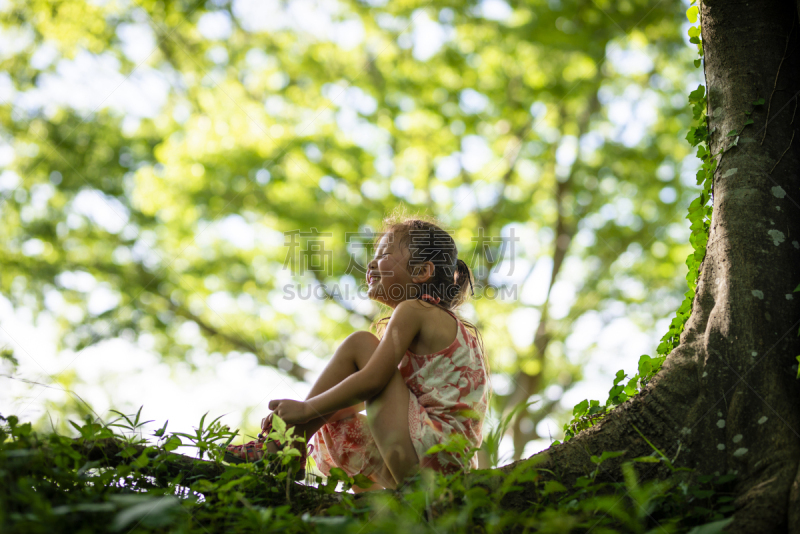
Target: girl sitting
(424, 378)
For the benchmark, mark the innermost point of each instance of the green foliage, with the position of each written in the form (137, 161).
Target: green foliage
(205, 437)
(285, 435)
(7, 355)
(48, 483)
(492, 436)
(587, 413)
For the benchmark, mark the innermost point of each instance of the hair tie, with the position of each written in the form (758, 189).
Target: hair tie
(435, 300)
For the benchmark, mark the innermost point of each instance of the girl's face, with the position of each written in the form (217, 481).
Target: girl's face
(388, 280)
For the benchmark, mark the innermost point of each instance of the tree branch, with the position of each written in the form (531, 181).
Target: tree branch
(296, 370)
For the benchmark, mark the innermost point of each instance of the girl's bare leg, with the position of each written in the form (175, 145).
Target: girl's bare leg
(353, 353)
(387, 416)
(385, 412)
(357, 347)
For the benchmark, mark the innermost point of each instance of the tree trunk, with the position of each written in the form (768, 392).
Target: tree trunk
(727, 399)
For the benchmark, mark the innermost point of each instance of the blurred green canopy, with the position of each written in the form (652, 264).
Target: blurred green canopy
(157, 159)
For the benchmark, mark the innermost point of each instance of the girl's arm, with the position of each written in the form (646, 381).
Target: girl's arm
(367, 382)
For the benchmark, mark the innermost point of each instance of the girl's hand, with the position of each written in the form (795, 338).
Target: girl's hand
(292, 411)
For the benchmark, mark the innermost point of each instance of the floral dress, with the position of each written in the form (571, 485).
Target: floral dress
(449, 393)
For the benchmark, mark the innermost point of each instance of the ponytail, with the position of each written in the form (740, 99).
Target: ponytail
(463, 273)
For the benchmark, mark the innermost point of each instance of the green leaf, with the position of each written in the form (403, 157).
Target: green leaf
(362, 482)
(607, 455)
(731, 133)
(128, 452)
(172, 443)
(694, 31)
(337, 474)
(648, 442)
(645, 364)
(332, 524)
(701, 176)
(75, 425)
(153, 512)
(83, 507)
(715, 527)
(160, 432)
(141, 461)
(698, 94)
(580, 408)
(203, 486)
(759, 102)
(595, 407)
(647, 459)
(233, 483)
(435, 448)
(278, 424)
(692, 13)
(553, 486)
(620, 377)
(697, 63)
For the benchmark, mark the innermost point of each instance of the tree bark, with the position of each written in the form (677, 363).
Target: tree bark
(727, 399)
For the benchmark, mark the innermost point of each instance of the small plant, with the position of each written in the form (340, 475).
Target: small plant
(492, 438)
(285, 436)
(133, 424)
(457, 445)
(207, 438)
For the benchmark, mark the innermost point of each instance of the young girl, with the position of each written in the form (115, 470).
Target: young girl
(425, 378)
